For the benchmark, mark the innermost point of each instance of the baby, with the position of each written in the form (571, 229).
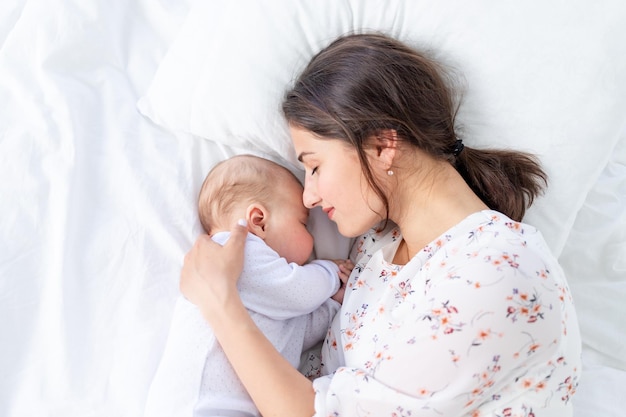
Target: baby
(292, 301)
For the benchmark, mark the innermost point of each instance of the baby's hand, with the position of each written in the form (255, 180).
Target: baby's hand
(345, 269)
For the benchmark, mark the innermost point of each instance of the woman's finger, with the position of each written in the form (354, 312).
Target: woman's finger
(236, 243)
(209, 269)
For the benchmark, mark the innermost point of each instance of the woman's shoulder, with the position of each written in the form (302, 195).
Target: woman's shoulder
(490, 236)
(486, 235)
(495, 227)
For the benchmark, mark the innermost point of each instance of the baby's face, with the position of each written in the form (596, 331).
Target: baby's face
(286, 231)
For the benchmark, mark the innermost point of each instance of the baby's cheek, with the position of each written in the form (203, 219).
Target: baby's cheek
(303, 244)
(309, 243)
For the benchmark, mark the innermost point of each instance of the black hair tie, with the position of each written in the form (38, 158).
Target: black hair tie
(458, 147)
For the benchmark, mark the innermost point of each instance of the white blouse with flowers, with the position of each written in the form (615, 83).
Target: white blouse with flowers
(479, 323)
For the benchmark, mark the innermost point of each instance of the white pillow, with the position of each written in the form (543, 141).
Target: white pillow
(541, 76)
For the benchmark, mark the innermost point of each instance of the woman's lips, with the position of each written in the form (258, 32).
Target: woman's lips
(329, 212)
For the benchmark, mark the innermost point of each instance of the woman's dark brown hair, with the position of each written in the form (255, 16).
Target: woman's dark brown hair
(362, 84)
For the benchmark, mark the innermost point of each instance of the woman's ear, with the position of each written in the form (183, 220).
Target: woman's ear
(256, 215)
(386, 146)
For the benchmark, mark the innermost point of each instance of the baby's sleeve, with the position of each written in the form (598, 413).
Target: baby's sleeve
(318, 323)
(271, 286)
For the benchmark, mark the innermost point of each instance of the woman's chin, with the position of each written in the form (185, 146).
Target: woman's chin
(351, 231)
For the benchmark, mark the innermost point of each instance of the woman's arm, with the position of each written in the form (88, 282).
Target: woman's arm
(209, 280)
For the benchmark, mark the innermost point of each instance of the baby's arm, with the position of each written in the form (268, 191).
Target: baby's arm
(273, 287)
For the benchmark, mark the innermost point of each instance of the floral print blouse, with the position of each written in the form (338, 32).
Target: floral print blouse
(479, 323)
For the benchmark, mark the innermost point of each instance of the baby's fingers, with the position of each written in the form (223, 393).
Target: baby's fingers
(344, 273)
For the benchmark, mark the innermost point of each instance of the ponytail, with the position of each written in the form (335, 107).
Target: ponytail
(506, 181)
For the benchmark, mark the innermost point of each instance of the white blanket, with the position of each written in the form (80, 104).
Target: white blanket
(98, 203)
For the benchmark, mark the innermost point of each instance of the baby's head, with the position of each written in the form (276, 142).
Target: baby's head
(264, 193)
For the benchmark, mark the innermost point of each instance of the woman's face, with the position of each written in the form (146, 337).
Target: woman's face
(334, 180)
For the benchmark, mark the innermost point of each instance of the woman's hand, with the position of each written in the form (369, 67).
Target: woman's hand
(210, 271)
(209, 280)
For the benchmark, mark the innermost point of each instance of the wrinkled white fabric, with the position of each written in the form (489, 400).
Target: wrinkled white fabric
(98, 204)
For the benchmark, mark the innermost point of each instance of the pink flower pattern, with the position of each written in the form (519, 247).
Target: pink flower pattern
(479, 323)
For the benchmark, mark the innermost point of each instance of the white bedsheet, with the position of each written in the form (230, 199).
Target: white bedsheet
(97, 208)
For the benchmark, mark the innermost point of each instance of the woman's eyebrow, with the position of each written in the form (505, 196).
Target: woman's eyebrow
(303, 154)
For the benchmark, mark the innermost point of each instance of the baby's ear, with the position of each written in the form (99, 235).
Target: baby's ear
(256, 214)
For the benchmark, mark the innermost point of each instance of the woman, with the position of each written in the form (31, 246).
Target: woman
(454, 308)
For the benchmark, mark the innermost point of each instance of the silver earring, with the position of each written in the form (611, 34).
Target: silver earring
(390, 173)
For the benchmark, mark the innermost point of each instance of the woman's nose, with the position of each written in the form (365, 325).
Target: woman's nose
(309, 196)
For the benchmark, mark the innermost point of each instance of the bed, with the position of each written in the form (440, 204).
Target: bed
(112, 113)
